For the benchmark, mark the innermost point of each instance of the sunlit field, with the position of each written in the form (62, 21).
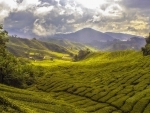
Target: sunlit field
(110, 82)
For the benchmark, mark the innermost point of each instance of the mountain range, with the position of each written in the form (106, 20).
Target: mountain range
(103, 41)
(87, 35)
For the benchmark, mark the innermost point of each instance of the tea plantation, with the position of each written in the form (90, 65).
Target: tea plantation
(103, 82)
(116, 82)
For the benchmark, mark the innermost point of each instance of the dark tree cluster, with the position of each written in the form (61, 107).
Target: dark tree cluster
(146, 49)
(81, 54)
(14, 71)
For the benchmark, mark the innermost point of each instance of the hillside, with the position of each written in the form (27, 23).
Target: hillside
(116, 82)
(32, 47)
(70, 45)
(104, 82)
(13, 100)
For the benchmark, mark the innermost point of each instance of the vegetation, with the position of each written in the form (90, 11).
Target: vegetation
(146, 49)
(14, 71)
(103, 82)
(13, 100)
(39, 49)
(81, 54)
(34, 48)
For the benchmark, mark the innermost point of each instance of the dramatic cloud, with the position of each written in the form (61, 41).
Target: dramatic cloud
(42, 18)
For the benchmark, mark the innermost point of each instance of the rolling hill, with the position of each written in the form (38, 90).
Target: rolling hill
(110, 82)
(32, 47)
(13, 100)
(104, 82)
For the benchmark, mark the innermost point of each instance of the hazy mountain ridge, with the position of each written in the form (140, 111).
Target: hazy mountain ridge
(85, 35)
(104, 41)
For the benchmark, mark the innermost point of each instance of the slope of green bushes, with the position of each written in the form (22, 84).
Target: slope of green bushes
(109, 82)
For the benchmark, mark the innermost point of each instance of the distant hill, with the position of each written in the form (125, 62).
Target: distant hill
(86, 35)
(108, 41)
(22, 47)
(70, 45)
(134, 43)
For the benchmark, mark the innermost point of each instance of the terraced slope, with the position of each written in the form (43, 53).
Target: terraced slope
(117, 82)
(24, 47)
(14, 100)
(21, 47)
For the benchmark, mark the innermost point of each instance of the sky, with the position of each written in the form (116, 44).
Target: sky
(43, 18)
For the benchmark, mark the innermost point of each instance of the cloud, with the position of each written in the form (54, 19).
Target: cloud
(5, 8)
(46, 17)
(42, 11)
(142, 4)
(42, 29)
(28, 4)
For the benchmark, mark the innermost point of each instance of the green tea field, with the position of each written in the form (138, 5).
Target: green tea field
(109, 82)
(117, 82)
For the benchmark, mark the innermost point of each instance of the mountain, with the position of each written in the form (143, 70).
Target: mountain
(134, 43)
(108, 41)
(86, 35)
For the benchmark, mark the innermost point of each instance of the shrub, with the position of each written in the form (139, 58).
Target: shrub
(81, 54)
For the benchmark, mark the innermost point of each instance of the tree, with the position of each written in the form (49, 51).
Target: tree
(146, 49)
(3, 52)
(81, 54)
(13, 71)
(3, 40)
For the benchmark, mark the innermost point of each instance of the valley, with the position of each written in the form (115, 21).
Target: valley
(74, 56)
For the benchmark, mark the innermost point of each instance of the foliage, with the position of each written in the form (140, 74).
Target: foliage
(81, 54)
(15, 71)
(37, 49)
(146, 49)
(13, 100)
(104, 82)
(3, 40)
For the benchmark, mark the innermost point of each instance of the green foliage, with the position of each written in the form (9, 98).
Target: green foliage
(107, 82)
(34, 48)
(81, 54)
(146, 49)
(13, 100)
(3, 40)
(15, 71)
